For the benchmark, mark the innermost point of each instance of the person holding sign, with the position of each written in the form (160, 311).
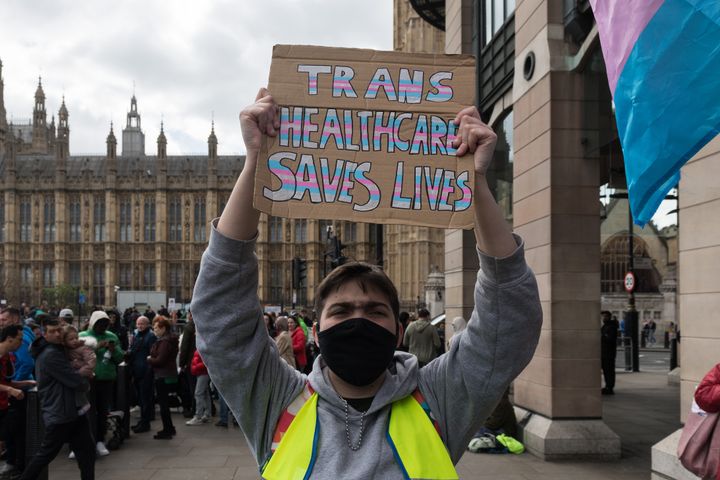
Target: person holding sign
(365, 410)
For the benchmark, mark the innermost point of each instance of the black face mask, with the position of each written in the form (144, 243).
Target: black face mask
(357, 350)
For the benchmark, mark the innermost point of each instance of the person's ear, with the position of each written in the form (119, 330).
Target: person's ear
(400, 334)
(315, 329)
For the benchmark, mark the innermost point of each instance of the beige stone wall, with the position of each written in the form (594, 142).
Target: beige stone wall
(699, 269)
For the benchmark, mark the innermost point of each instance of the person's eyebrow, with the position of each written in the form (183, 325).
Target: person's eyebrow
(364, 305)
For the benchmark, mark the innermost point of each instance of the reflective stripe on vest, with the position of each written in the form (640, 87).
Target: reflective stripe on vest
(416, 445)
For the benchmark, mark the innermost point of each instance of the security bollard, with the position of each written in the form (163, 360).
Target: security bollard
(673, 354)
(34, 429)
(122, 399)
(627, 346)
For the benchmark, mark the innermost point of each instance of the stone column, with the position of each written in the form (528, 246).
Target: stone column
(556, 211)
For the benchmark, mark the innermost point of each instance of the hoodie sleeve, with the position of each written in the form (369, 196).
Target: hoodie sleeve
(463, 386)
(24, 362)
(58, 367)
(240, 356)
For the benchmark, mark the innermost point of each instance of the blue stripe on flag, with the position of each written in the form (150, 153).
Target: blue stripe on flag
(667, 100)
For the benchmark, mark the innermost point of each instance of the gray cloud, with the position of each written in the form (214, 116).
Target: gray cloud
(187, 59)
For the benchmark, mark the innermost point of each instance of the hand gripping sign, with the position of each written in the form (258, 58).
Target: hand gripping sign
(367, 136)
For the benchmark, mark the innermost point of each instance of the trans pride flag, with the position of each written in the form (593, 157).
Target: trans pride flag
(663, 64)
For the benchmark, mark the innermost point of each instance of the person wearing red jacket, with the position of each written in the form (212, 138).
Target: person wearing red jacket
(298, 343)
(203, 408)
(707, 394)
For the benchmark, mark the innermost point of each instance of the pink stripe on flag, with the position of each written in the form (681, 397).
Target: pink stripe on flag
(620, 23)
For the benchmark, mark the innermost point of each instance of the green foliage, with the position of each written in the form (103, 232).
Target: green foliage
(61, 296)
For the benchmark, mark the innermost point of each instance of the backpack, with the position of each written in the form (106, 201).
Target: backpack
(115, 435)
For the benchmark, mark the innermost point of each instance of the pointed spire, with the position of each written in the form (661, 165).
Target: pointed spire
(111, 143)
(63, 113)
(111, 135)
(212, 138)
(161, 137)
(39, 93)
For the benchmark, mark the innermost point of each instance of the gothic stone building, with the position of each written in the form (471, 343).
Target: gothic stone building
(141, 222)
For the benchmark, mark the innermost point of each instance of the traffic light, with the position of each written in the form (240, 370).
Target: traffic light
(337, 257)
(299, 272)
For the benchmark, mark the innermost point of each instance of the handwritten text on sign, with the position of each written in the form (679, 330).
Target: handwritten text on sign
(367, 140)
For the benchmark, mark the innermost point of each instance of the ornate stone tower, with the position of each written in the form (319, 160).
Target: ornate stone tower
(63, 133)
(39, 131)
(133, 139)
(3, 114)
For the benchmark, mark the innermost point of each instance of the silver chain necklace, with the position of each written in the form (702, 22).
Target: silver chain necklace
(354, 448)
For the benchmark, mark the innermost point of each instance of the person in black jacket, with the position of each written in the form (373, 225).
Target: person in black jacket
(608, 351)
(57, 384)
(142, 373)
(118, 328)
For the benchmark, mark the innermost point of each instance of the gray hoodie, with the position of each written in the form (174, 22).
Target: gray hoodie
(461, 386)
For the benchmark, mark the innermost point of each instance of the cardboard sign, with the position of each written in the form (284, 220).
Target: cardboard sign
(367, 136)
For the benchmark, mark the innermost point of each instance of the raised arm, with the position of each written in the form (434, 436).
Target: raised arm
(492, 231)
(240, 356)
(239, 219)
(463, 385)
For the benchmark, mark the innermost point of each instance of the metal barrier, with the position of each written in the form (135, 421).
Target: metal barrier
(35, 430)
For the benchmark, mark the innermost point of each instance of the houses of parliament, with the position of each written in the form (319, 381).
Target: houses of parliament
(129, 220)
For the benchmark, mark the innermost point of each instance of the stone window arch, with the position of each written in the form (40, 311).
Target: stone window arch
(614, 264)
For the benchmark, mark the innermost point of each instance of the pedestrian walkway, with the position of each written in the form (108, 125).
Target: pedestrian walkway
(643, 411)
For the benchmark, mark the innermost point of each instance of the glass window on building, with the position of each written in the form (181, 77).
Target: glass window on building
(200, 221)
(48, 275)
(125, 276)
(349, 232)
(148, 276)
(657, 315)
(74, 220)
(276, 283)
(323, 226)
(125, 220)
(98, 290)
(275, 227)
(25, 274)
(99, 219)
(175, 220)
(500, 174)
(175, 281)
(300, 231)
(149, 220)
(2, 219)
(25, 220)
(49, 219)
(74, 274)
(495, 13)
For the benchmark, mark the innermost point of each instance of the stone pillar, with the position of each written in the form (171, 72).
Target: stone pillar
(435, 292)
(555, 209)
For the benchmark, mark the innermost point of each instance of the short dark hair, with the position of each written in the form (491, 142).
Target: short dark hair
(366, 276)
(423, 312)
(12, 311)
(48, 321)
(10, 331)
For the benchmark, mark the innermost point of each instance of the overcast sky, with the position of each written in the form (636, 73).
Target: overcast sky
(187, 59)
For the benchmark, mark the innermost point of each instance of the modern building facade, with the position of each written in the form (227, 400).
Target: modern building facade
(542, 86)
(129, 220)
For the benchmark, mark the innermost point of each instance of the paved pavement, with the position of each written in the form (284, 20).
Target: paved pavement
(643, 411)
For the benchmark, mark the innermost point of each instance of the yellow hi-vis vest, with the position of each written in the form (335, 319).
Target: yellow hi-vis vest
(416, 444)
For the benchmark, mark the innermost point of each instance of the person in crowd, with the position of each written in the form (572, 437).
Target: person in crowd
(83, 360)
(11, 338)
(224, 414)
(284, 341)
(163, 311)
(58, 383)
(186, 379)
(24, 367)
(608, 351)
(108, 355)
(150, 314)
(363, 401)
(422, 338)
(298, 343)
(118, 329)
(142, 373)
(203, 406)
(458, 325)
(162, 360)
(66, 316)
(270, 325)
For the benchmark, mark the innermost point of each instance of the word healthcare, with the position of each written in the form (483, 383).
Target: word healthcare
(367, 136)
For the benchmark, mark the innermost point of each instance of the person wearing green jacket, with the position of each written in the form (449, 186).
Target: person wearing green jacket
(109, 356)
